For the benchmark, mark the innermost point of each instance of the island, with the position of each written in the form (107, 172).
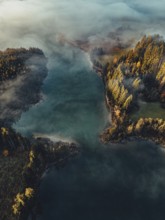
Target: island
(24, 160)
(134, 78)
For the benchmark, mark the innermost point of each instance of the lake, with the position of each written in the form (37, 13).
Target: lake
(117, 181)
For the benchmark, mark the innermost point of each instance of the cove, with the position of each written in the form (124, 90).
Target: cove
(117, 182)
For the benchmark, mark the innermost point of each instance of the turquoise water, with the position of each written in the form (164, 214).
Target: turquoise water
(116, 182)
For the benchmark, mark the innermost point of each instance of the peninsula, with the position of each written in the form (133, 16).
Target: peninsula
(132, 77)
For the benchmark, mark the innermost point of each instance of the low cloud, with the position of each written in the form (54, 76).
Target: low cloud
(131, 172)
(32, 23)
(18, 94)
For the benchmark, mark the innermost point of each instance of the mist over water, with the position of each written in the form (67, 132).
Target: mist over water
(73, 106)
(115, 182)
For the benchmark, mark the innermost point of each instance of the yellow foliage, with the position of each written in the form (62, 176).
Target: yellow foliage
(31, 159)
(16, 209)
(130, 129)
(138, 65)
(139, 124)
(4, 131)
(29, 192)
(117, 112)
(18, 203)
(31, 156)
(136, 83)
(128, 101)
(20, 199)
(112, 130)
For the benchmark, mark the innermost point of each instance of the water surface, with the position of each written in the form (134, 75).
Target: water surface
(114, 182)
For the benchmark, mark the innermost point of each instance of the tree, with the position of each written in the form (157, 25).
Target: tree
(29, 192)
(136, 83)
(123, 95)
(128, 102)
(139, 124)
(138, 65)
(4, 131)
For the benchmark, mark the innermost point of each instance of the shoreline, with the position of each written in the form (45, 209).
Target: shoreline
(24, 160)
(122, 126)
(54, 154)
